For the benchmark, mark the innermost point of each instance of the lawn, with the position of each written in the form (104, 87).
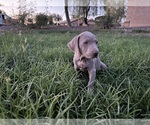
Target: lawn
(37, 78)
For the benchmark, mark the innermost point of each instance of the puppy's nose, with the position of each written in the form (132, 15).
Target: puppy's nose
(95, 54)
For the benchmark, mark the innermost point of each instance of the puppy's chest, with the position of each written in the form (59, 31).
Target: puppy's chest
(83, 65)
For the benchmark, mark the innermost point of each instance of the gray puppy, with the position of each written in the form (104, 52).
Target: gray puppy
(85, 49)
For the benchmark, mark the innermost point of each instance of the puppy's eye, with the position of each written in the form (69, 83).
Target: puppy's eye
(96, 42)
(86, 42)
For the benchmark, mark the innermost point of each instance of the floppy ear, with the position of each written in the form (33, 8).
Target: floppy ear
(74, 45)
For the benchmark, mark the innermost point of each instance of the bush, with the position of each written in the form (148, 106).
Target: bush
(104, 21)
(41, 19)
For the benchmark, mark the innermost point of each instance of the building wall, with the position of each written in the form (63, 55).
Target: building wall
(138, 2)
(138, 16)
(138, 13)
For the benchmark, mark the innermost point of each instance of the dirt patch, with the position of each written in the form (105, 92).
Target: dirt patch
(134, 31)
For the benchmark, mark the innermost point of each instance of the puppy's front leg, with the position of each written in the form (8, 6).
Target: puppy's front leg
(92, 75)
(103, 66)
(75, 63)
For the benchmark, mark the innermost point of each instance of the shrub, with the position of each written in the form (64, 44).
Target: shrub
(104, 21)
(41, 19)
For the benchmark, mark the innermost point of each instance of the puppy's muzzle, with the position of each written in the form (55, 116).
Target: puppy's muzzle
(95, 54)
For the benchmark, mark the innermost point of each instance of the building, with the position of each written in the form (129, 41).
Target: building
(77, 22)
(2, 18)
(74, 22)
(138, 13)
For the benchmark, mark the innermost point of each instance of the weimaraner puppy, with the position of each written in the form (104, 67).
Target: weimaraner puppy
(86, 58)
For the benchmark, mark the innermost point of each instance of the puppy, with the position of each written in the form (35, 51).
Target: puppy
(86, 58)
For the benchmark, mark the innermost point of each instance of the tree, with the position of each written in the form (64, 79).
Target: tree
(22, 11)
(31, 8)
(115, 10)
(84, 8)
(56, 18)
(41, 19)
(26, 10)
(67, 14)
(113, 13)
(47, 7)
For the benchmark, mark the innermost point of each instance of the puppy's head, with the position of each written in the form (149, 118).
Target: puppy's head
(85, 45)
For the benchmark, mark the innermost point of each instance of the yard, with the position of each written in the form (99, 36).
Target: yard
(37, 78)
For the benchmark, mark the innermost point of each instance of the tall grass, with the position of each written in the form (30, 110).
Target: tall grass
(37, 78)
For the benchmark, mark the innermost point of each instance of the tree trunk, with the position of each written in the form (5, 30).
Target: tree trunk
(85, 21)
(67, 13)
(86, 10)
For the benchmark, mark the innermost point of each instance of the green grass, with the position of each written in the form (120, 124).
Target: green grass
(37, 78)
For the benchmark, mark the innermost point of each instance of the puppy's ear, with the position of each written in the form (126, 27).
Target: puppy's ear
(74, 45)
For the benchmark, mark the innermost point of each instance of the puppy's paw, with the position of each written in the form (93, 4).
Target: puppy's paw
(103, 66)
(90, 90)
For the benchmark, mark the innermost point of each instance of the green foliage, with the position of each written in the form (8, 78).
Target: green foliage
(23, 13)
(22, 18)
(104, 21)
(41, 19)
(56, 17)
(26, 11)
(37, 78)
(114, 12)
